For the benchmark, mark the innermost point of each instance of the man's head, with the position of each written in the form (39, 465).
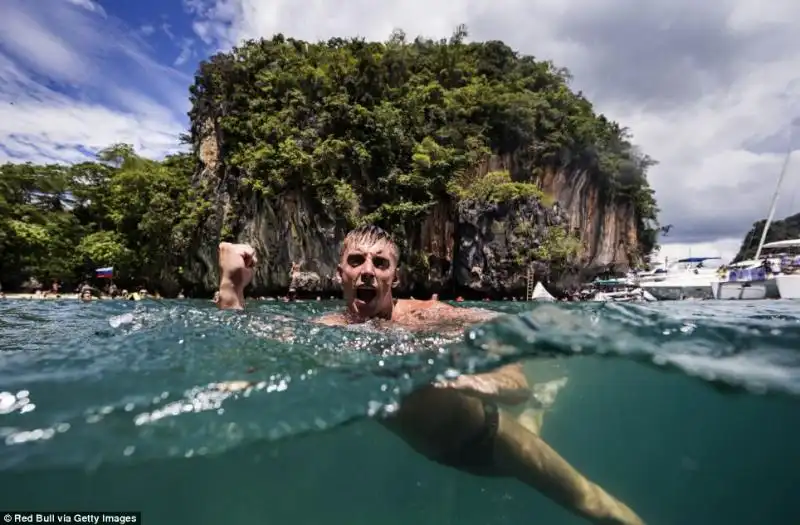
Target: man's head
(368, 271)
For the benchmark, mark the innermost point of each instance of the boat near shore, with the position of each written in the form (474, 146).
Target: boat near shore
(623, 290)
(774, 276)
(689, 278)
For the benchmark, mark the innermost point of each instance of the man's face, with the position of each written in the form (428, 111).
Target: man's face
(368, 273)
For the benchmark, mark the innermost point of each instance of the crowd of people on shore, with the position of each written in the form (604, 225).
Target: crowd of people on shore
(85, 292)
(295, 292)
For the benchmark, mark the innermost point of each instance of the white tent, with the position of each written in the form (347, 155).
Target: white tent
(541, 294)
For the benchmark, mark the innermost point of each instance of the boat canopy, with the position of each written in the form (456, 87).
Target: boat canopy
(789, 243)
(698, 259)
(609, 282)
(744, 264)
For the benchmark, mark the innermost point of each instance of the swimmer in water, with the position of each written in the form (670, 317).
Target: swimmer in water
(456, 423)
(294, 276)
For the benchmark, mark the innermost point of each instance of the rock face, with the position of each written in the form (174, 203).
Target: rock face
(460, 247)
(492, 240)
(608, 229)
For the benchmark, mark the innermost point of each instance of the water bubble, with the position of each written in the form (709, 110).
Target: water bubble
(451, 373)
(7, 402)
(120, 320)
(373, 407)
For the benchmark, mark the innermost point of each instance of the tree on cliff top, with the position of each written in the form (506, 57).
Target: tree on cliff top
(382, 131)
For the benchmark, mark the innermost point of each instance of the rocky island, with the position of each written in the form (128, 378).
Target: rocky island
(481, 161)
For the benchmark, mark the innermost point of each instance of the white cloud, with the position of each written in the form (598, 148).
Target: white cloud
(147, 30)
(725, 249)
(186, 51)
(73, 81)
(43, 51)
(167, 29)
(94, 7)
(708, 89)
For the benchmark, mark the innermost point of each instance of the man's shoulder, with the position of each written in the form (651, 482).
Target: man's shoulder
(415, 305)
(332, 319)
(450, 312)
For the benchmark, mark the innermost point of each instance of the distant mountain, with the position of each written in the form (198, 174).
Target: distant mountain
(788, 228)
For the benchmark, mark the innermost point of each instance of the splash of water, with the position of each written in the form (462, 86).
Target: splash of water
(84, 384)
(719, 343)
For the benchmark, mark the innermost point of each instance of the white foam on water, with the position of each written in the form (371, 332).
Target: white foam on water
(752, 371)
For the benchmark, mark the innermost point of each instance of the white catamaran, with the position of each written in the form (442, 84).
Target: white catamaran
(755, 278)
(688, 278)
(788, 281)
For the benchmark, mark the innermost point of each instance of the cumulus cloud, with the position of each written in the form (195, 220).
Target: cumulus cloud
(73, 81)
(709, 89)
(94, 7)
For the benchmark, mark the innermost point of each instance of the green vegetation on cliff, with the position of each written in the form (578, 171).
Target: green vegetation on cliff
(62, 222)
(788, 228)
(381, 132)
(558, 246)
(496, 186)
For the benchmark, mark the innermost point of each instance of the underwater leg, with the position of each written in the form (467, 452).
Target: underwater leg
(543, 396)
(522, 454)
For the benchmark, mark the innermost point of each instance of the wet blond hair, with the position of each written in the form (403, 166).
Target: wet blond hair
(371, 235)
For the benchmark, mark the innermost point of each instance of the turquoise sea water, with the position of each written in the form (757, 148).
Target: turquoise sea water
(687, 411)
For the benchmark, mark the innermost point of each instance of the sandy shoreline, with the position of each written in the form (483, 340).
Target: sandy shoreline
(70, 296)
(42, 297)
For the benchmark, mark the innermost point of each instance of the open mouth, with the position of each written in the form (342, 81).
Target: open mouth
(366, 294)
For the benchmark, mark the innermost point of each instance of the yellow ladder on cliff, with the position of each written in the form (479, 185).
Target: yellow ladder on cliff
(530, 284)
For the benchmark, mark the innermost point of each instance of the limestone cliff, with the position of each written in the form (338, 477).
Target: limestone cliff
(458, 247)
(482, 162)
(608, 228)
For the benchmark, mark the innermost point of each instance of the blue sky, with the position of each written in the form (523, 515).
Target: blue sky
(166, 27)
(77, 75)
(708, 88)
